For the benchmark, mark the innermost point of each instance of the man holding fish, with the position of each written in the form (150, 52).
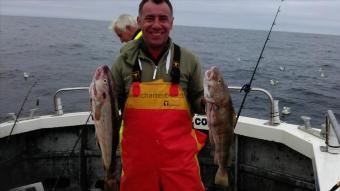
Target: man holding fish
(159, 87)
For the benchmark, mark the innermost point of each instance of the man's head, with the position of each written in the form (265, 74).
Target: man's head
(155, 20)
(125, 26)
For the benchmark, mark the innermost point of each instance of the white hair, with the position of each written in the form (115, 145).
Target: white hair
(123, 21)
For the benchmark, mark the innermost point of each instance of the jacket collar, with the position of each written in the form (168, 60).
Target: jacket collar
(136, 33)
(147, 53)
(133, 50)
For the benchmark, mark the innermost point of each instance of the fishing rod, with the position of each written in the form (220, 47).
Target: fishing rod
(72, 151)
(335, 187)
(247, 87)
(22, 105)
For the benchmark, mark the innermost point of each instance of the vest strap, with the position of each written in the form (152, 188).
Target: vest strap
(136, 72)
(175, 71)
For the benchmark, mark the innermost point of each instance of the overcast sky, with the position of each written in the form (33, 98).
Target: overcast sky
(311, 16)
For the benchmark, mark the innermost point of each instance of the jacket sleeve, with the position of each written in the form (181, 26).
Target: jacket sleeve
(195, 87)
(118, 80)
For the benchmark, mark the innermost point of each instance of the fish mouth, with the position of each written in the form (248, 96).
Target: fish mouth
(212, 73)
(208, 74)
(209, 99)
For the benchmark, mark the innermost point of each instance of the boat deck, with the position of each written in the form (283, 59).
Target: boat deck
(295, 155)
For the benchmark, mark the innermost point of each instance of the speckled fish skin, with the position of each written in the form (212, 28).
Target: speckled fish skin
(221, 119)
(105, 116)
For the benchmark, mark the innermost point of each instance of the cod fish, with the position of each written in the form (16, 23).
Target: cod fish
(106, 121)
(221, 120)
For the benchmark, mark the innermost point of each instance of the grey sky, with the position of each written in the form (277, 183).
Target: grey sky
(311, 16)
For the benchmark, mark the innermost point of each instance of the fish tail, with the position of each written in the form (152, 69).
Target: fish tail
(222, 178)
(111, 183)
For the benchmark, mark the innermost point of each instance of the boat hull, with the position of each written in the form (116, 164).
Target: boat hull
(70, 156)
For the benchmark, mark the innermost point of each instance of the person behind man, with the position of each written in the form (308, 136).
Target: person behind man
(126, 28)
(160, 86)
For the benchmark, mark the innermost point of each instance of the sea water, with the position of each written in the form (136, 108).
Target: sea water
(300, 70)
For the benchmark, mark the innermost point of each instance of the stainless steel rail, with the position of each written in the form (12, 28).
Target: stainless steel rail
(58, 106)
(274, 117)
(332, 134)
(333, 129)
(273, 111)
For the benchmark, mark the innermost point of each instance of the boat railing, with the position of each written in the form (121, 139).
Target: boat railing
(274, 118)
(332, 132)
(58, 106)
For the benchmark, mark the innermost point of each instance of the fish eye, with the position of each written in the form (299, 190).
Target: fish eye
(219, 81)
(105, 80)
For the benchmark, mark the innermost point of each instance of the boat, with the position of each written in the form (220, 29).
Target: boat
(58, 152)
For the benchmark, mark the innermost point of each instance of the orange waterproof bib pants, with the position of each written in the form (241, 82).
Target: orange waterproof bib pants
(159, 146)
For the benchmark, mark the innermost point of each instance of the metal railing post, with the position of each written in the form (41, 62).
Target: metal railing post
(274, 117)
(58, 106)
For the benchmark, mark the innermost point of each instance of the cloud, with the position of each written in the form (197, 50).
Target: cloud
(311, 16)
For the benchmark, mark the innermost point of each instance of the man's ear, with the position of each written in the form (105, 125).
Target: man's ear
(139, 21)
(172, 21)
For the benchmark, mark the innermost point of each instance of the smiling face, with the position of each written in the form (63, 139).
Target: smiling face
(156, 21)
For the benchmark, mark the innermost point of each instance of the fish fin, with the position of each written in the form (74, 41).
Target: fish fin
(90, 107)
(97, 143)
(116, 111)
(233, 115)
(97, 114)
(103, 164)
(111, 184)
(222, 178)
